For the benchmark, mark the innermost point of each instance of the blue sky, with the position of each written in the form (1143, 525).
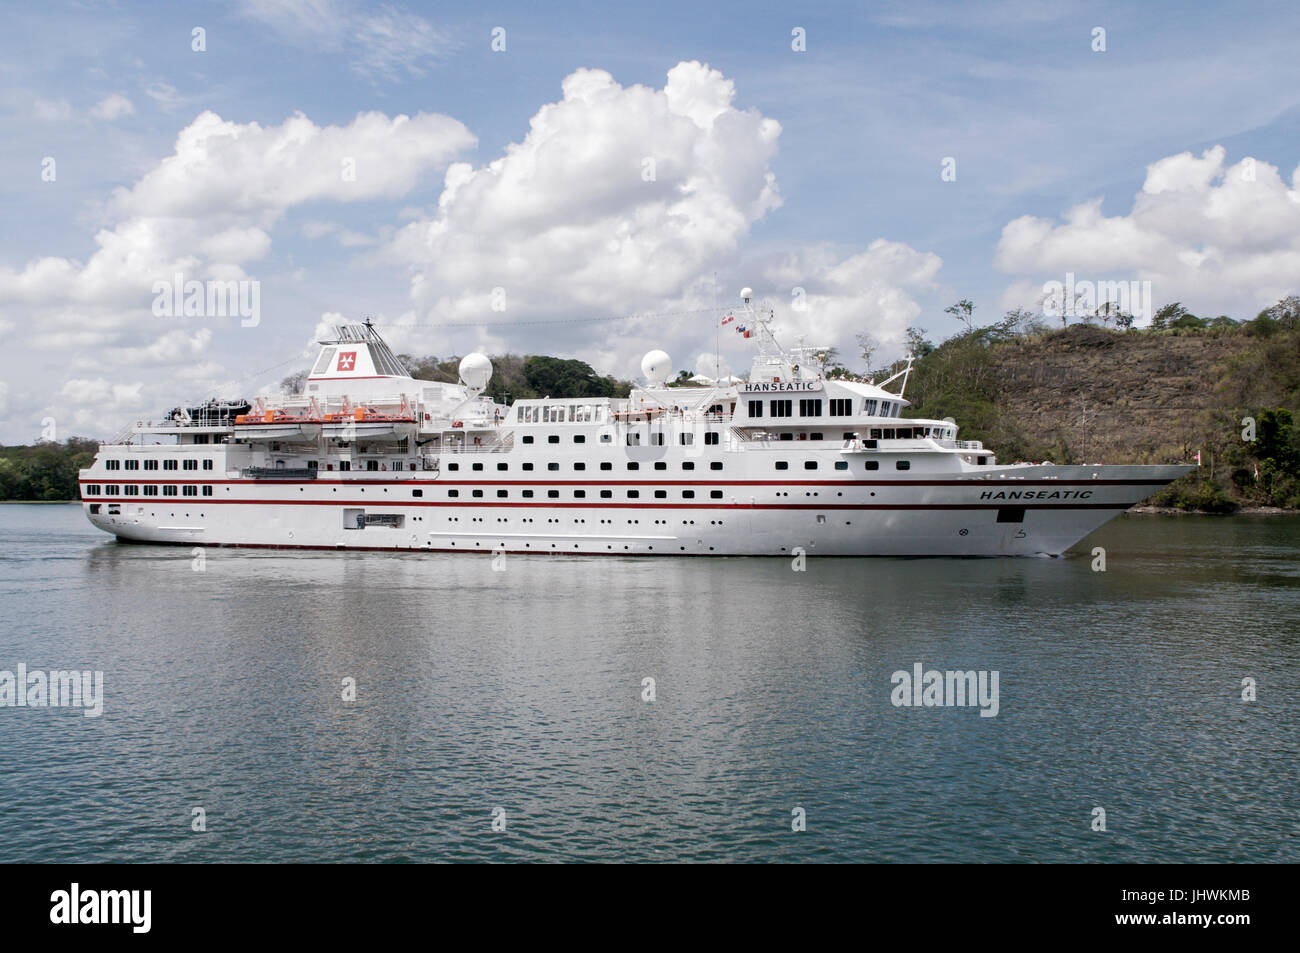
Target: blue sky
(855, 212)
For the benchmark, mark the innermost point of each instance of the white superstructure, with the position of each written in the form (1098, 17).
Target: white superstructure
(369, 458)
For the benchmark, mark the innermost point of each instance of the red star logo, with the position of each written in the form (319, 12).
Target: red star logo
(348, 361)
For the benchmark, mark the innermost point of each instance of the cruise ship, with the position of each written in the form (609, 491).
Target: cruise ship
(786, 462)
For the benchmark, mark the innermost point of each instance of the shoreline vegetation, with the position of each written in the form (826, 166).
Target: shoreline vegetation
(1096, 390)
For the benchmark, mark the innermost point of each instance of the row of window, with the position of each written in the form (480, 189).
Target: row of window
(634, 439)
(153, 464)
(579, 465)
(560, 413)
(131, 489)
(812, 407)
(577, 494)
(686, 465)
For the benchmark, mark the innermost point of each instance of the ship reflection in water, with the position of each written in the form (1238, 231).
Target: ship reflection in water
(517, 696)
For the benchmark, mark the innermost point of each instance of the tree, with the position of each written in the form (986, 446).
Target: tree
(558, 377)
(294, 383)
(962, 311)
(1023, 321)
(1166, 316)
(917, 345)
(1286, 312)
(868, 346)
(1062, 304)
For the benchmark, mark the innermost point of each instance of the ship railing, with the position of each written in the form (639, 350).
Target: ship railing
(279, 473)
(127, 434)
(490, 445)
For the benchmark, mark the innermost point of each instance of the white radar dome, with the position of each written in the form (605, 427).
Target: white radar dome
(746, 294)
(475, 370)
(656, 365)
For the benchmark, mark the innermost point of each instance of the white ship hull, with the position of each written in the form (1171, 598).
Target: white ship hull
(1043, 510)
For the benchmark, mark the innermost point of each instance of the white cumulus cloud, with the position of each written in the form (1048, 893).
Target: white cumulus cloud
(1219, 238)
(617, 196)
(208, 210)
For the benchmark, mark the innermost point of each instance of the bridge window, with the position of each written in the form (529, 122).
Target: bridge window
(756, 408)
(812, 407)
(782, 408)
(841, 407)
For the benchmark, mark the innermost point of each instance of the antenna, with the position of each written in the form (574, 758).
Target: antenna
(717, 334)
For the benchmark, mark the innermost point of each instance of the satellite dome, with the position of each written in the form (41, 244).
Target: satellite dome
(746, 294)
(475, 370)
(656, 365)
